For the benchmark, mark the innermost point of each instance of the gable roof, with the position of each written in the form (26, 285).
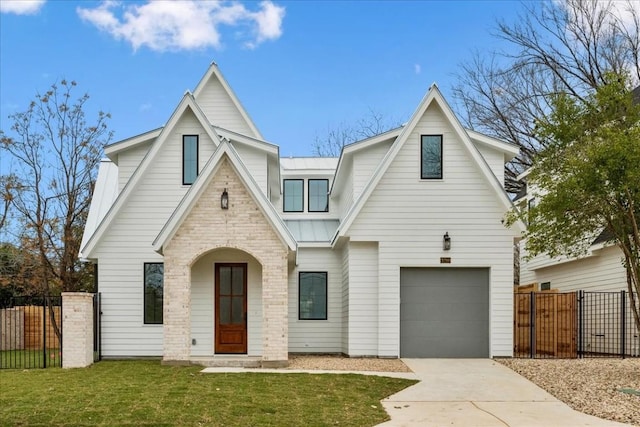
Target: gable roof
(187, 102)
(214, 71)
(112, 150)
(201, 183)
(432, 96)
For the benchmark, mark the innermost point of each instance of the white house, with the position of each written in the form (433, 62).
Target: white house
(208, 244)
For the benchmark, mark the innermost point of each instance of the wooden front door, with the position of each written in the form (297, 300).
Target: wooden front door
(231, 308)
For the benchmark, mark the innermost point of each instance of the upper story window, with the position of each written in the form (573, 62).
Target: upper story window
(431, 157)
(318, 195)
(293, 195)
(189, 159)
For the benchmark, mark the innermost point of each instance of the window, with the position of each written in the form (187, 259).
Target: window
(318, 195)
(189, 159)
(312, 297)
(431, 157)
(293, 195)
(153, 284)
(545, 286)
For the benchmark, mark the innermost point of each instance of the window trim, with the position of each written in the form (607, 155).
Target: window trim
(309, 194)
(422, 175)
(284, 194)
(184, 182)
(326, 295)
(144, 294)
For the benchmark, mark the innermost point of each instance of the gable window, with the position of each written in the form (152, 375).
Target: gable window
(318, 195)
(189, 159)
(153, 290)
(431, 157)
(293, 195)
(312, 296)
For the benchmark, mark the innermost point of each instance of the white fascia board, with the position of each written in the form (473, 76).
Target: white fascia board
(187, 102)
(214, 70)
(248, 140)
(112, 150)
(509, 150)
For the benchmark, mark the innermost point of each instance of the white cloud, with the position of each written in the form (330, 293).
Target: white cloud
(417, 68)
(21, 7)
(184, 25)
(145, 107)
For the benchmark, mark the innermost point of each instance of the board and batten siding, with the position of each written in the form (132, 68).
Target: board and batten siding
(602, 271)
(363, 299)
(127, 245)
(203, 303)
(220, 109)
(409, 216)
(317, 336)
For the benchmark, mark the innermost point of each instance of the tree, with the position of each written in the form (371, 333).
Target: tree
(553, 47)
(589, 176)
(54, 155)
(330, 145)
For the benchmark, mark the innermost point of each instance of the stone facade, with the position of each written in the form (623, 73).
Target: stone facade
(207, 227)
(77, 333)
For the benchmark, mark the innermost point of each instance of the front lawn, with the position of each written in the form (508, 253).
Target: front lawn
(145, 393)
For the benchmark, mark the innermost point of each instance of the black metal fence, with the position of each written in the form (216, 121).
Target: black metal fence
(574, 324)
(30, 332)
(97, 312)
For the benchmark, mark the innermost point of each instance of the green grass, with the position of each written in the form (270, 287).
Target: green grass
(145, 393)
(27, 359)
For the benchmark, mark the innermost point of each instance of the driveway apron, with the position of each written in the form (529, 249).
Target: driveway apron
(479, 393)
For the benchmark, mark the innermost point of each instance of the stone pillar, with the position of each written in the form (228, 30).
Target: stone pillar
(77, 329)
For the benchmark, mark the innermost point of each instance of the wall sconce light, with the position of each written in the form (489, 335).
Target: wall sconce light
(446, 241)
(224, 200)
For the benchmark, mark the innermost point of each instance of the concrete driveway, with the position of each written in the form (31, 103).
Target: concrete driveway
(479, 393)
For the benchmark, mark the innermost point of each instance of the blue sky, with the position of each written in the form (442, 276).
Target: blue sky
(298, 67)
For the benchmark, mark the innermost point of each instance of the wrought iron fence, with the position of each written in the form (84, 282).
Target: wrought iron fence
(30, 332)
(574, 324)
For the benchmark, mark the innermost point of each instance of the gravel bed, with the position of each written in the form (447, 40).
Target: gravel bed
(340, 363)
(591, 386)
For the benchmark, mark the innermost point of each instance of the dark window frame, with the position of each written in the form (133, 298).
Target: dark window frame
(153, 321)
(422, 171)
(326, 209)
(326, 295)
(284, 195)
(184, 140)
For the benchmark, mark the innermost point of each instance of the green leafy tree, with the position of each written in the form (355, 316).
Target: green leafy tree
(588, 176)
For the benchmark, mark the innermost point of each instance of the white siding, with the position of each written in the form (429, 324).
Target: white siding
(495, 160)
(363, 299)
(128, 162)
(127, 245)
(365, 163)
(408, 217)
(346, 193)
(601, 272)
(203, 304)
(317, 336)
(256, 162)
(345, 299)
(220, 109)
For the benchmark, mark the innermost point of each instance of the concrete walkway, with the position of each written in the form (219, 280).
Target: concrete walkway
(478, 393)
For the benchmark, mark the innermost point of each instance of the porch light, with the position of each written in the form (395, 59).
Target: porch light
(446, 241)
(224, 200)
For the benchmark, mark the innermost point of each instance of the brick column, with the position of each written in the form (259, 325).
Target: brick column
(77, 329)
(177, 311)
(275, 322)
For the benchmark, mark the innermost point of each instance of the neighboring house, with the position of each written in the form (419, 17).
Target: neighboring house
(207, 243)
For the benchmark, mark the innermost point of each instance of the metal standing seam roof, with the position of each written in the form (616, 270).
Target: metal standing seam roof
(312, 230)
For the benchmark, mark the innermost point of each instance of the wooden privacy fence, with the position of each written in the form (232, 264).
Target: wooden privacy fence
(549, 324)
(26, 328)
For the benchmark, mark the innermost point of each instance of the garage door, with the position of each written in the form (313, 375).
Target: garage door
(444, 312)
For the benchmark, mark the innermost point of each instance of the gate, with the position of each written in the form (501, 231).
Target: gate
(30, 332)
(574, 324)
(97, 312)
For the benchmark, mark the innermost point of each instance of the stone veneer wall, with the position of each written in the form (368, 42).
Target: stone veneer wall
(77, 332)
(207, 227)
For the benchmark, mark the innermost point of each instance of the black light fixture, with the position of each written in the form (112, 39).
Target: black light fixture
(224, 200)
(446, 241)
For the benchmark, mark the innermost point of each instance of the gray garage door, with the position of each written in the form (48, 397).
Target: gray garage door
(444, 312)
